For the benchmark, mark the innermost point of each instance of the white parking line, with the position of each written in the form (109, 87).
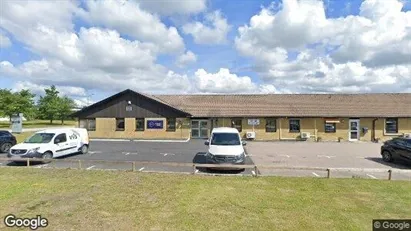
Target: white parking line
(325, 156)
(286, 156)
(315, 174)
(90, 167)
(252, 172)
(41, 166)
(166, 154)
(94, 152)
(141, 169)
(196, 171)
(369, 175)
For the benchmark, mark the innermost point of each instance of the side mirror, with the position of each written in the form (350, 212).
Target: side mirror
(244, 143)
(207, 142)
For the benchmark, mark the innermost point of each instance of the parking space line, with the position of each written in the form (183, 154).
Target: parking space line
(41, 166)
(141, 169)
(369, 175)
(90, 167)
(315, 174)
(286, 156)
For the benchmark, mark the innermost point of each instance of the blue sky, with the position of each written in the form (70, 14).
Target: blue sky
(278, 75)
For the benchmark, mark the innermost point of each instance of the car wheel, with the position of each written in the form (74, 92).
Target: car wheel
(47, 156)
(84, 149)
(5, 147)
(387, 157)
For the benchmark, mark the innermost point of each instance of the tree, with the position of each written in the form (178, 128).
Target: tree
(66, 106)
(17, 102)
(49, 104)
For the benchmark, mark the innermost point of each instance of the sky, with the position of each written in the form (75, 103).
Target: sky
(92, 49)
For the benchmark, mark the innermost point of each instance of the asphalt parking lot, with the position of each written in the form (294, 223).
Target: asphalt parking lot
(345, 159)
(349, 159)
(189, 152)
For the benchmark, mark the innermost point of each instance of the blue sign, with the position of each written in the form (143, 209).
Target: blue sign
(154, 124)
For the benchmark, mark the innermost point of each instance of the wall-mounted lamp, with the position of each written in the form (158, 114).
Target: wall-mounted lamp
(129, 102)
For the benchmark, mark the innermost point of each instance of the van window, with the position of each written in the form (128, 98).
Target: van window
(61, 137)
(225, 139)
(40, 138)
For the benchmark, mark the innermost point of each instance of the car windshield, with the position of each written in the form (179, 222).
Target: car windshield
(225, 139)
(40, 138)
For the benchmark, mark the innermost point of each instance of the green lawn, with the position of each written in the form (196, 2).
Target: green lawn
(116, 200)
(40, 123)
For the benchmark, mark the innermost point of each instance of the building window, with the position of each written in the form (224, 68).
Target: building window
(120, 124)
(270, 125)
(391, 125)
(294, 125)
(89, 124)
(237, 123)
(171, 124)
(330, 127)
(139, 124)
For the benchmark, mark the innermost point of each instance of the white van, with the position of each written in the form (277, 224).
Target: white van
(52, 143)
(225, 147)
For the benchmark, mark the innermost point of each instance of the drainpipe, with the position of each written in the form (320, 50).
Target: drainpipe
(373, 130)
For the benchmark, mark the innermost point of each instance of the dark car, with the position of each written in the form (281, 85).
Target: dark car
(395, 149)
(7, 140)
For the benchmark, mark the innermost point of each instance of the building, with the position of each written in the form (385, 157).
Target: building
(329, 117)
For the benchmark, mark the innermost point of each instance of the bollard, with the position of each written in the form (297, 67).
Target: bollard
(79, 164)
(255, 171)
(389, 174)
(194, 169)
(134, 166)
(328, 172)
(28, 162)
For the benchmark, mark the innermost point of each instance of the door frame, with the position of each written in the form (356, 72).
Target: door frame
(199, 128)
(358, 129)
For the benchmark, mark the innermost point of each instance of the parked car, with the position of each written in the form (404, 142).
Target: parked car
(52, 143)
(7, 140)
(225, 147)
(397, 148)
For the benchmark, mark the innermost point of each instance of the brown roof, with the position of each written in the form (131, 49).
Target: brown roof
(298, 105)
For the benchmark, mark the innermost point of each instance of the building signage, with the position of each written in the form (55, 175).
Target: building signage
(253, 122)
(129, 108)
(154, 124)
(17, 123)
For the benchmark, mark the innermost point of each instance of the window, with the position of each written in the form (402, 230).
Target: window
(294, 125)
(89, 124)
(139, 124)
(330, 127)
(391, 125)
(61, 138)
(119, 124)
(237, 123)
(270, 125)
(171, 124)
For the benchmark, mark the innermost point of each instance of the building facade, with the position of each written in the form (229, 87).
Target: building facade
(335, 117)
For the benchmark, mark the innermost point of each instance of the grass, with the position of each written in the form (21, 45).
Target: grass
(39, 123)
(116, 200)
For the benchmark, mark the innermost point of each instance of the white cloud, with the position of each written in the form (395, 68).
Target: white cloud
(164, 7)
(186, 58)
(127, 18)
(39, 89)
(213, 31)
(298, 49)
(4, 41)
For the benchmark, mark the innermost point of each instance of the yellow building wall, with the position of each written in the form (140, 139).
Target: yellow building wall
(106, 128)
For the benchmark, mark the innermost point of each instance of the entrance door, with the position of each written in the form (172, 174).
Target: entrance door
(354, 130)
(199, 128)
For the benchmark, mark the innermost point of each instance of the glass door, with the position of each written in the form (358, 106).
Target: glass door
(354, 130)
(199, 128)
(203, 129)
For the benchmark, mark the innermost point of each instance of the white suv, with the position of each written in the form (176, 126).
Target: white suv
(225, 147)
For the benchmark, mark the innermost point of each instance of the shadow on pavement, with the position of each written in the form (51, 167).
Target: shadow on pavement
(199, 158)
(400, 164)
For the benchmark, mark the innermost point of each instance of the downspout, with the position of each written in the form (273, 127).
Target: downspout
(373, 130)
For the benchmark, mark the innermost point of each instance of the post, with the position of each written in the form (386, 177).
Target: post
(255, 171)
(328, 172)
(28, 162)
(194, 169)
(389, 174)
(134, 166)
(79, 164)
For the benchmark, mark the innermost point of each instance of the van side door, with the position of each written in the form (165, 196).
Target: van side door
(61, 145)
(74, 141)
